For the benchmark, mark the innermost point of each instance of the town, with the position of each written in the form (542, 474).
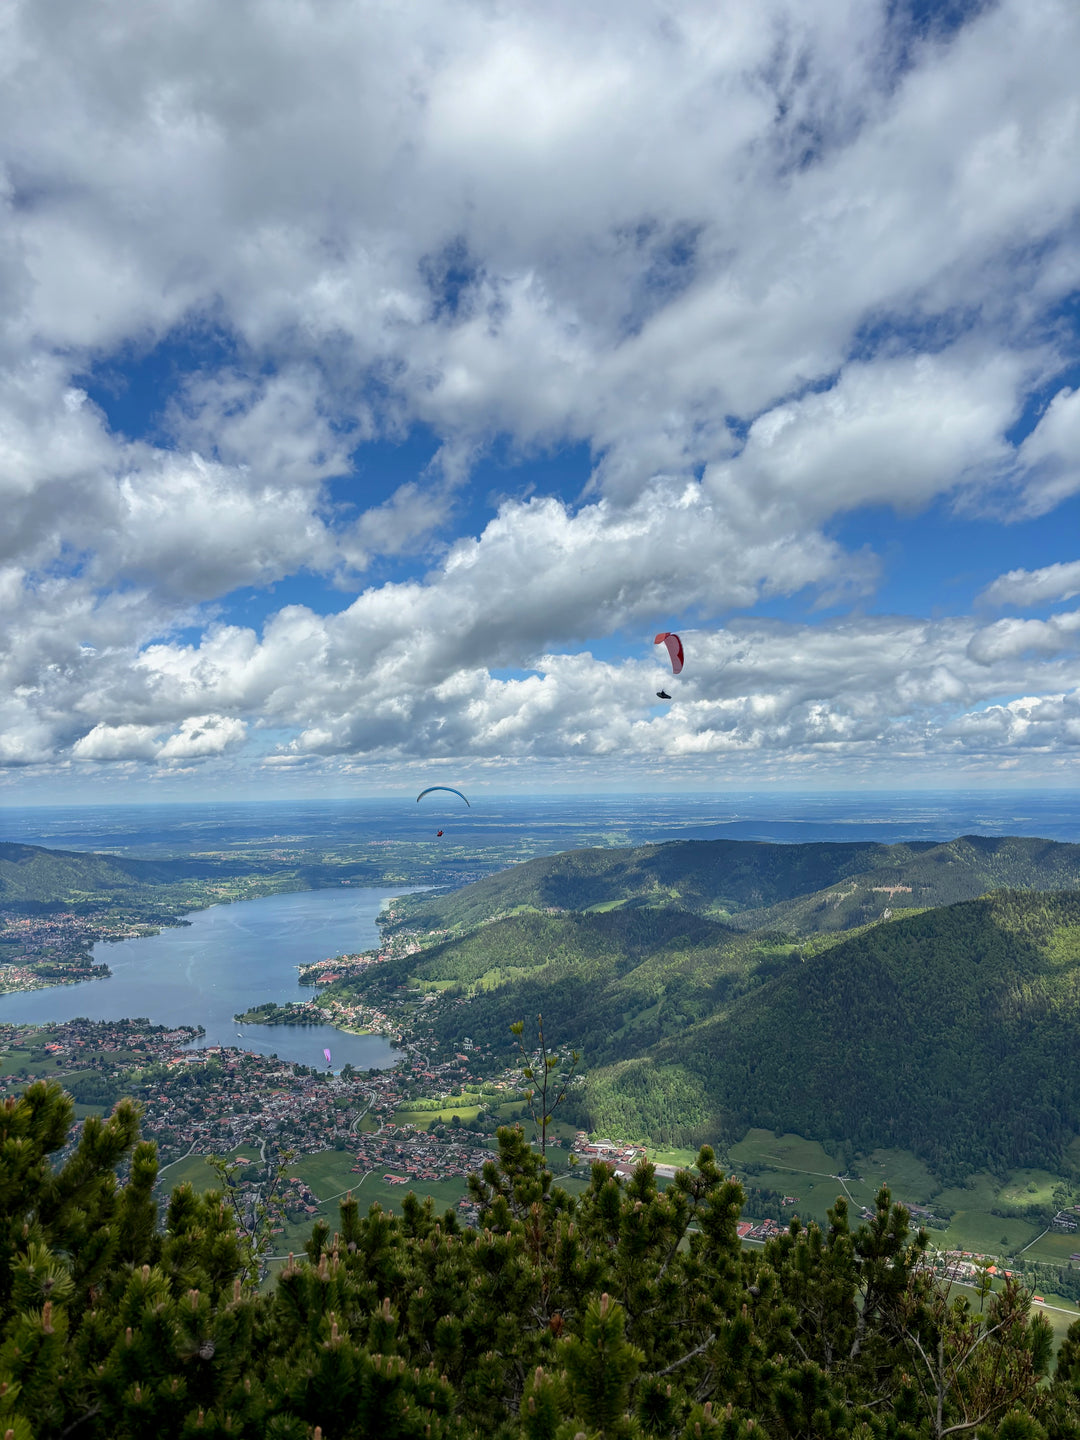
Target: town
(426, 1125)
(54, 949)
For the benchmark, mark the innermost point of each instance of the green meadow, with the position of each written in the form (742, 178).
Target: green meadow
(978, 1211)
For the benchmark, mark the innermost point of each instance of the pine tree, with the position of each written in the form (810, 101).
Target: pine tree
(628, 1312)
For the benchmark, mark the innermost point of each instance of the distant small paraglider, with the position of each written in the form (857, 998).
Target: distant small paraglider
(674, 649)
(662, 695)
(448, 788)
(437, 834)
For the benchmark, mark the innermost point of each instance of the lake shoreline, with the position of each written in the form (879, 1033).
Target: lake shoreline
(226, 961)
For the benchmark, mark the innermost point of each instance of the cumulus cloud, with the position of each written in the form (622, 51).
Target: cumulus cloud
(1026, 588)
(198, 736)
(767, 264)
(834, 694)
(1051, 454)
(117, 742)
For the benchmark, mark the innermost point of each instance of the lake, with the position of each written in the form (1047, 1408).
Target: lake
(229, 958)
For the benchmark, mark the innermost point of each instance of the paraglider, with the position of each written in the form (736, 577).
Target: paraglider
(448, 788)
(674, 649)
(450, 791)
(675, 654)
(327, 1054)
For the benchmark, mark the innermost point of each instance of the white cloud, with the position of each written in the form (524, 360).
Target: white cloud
(762, 273)
(753, 692)
(1008, 638)
(644, 246)
(1051, 454)
(202, 735)
(896, 432)
(117, 742)
(1026, 588)
(198, 736)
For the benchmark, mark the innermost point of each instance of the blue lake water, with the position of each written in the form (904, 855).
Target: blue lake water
(229, 958)
(236, 956)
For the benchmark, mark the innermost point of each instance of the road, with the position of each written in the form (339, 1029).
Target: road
(163, 1168)
(348, 1189)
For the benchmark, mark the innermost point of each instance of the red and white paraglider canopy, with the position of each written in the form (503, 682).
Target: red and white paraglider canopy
(674, 649)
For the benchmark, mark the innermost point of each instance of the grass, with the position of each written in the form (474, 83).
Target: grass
(801, 1167)
(194, 1170)
(82, 1111)
(1055, 1247)
(1029, 1187)
(686, 1159)
(14, 1062)
(991, 1234)
(327, 1173)
(979, 1192)
(761, 1149)
(424, 1119)
(907, 1177)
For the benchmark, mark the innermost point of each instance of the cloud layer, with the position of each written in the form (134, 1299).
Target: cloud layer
(770, 264)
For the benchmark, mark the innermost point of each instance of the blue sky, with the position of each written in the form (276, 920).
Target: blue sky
(375, 383)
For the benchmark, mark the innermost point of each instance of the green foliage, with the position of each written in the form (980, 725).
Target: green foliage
(547, 1074)
(751, 880)
(255, 1224)
(946, 1032)
(622, 1313)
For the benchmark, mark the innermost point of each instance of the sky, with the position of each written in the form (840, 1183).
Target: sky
(377, 380)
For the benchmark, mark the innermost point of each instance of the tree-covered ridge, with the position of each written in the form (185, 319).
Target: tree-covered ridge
(624, 1313)
(32, 876)
(32, 873)
(949, 1032)
(805, 888)
(613, 981)
(699, 875)
(910, 877)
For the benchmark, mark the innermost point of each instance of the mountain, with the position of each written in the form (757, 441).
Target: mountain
(711, 876)
(952, 1033)
(949, 1029)
(920, 876)
(33, 878)
(802, 888)
(32, 873)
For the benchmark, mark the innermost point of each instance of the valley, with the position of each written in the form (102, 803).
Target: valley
(913, 1007)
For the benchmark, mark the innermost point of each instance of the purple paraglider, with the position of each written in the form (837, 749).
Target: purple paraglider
(327, 1054)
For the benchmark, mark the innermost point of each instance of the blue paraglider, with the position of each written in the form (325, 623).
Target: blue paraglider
(450, 790)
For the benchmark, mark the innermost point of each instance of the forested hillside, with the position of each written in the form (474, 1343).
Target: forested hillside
(949, 1030)
(720, 876)
(32, 873)
(804, 888)
(951, 1033)
(33, 879)
(905, 877)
